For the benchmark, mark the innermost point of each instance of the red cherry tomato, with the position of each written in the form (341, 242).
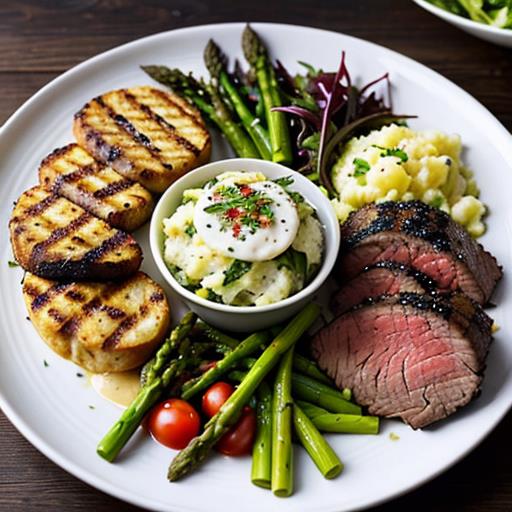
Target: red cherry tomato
(240, 438)
(174, 423)
(215, 397)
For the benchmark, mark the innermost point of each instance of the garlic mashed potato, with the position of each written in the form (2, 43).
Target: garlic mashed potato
(215, 273)
(396, 163)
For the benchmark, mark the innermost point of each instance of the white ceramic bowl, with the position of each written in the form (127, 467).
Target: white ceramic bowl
(250, 318)
(500, 36)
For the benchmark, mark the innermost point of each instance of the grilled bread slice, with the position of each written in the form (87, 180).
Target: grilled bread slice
(56, 239)
(102, 327)
(73, 173)
(146, 134)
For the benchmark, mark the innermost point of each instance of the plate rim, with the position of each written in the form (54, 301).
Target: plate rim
(88, 476)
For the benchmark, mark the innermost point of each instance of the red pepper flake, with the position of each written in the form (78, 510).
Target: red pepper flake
(236, 229)
(246, 191)
(233, 213)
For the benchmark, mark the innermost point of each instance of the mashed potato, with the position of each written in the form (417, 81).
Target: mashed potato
(396, 163)
(203, 269)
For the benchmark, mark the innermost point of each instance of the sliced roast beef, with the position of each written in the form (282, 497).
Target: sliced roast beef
(382, 278)
(411, 356)
(422, 237)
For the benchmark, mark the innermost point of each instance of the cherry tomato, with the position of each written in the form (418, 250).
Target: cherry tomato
(215, 397)
(174, 423)
(240, 438)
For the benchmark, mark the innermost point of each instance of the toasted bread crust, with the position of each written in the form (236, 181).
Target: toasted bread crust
(71, 172)
(102, 327)
(54, 238)
(146, 134)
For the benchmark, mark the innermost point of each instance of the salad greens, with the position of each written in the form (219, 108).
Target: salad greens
(497, 13)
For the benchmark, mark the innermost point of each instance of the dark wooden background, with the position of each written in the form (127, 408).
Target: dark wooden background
(41, 39)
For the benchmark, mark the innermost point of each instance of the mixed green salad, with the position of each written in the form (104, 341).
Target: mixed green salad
(497, 13)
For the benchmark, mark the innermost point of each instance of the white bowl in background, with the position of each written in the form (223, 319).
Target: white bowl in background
(245, 318)
(499, 36)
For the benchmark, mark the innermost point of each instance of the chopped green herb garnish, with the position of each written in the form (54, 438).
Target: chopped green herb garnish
(235, 271)
(92, 407)
(190, 230)
(284, 182)
(12, 264)
(399, 153)
(45, 362)
(361, 167)
(214, 297)
(241, 205)
(211, 183)
(437, 202)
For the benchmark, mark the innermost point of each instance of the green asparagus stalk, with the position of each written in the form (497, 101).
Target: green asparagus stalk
(199, 448)
(262, 450)
(315, 444)
(306, 367)
(159, 376)
(215, 335)
(215, 61)
(244, 349)
(340, 423)
(208, 101)
(317, 393)
(155, 366)
(257, 56)
(282, 412)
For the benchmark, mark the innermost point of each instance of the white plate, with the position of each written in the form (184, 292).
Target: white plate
(50, 405)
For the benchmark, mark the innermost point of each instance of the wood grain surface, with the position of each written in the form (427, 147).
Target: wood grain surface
(41, 39)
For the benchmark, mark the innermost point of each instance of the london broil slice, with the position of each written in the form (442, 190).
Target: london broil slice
(54, 238)
(146, 134)
(382, 278)
(422, 237)
(73, 173)
(410, 356)
(103, 327)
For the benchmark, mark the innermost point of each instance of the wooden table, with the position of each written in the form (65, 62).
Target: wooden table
(41, 39)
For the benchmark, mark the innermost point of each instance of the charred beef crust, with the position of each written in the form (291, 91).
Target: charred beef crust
(382, 278)
(416, 220)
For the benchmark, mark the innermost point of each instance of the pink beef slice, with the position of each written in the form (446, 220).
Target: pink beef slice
(411, 356)
(381, 278)
(422, 237)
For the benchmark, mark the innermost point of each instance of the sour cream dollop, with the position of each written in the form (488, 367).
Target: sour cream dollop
(250, 222)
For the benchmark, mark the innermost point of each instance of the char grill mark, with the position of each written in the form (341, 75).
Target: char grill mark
(112, 189)
(39, 251)
(40, 300)
(128, 127)
(80, 269)
(169, 128)
(115, 337)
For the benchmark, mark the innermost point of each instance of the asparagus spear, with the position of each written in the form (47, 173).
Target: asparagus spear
(207, 100)
(317, 447)
(306, 367)
(262, 450)
(282, 411)
(215, 61)
(215, 335)
(197, 450)
(246, 348)
(331, 399)
(257, 56)
(158, 377)
(155, 366)
(340, 423)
